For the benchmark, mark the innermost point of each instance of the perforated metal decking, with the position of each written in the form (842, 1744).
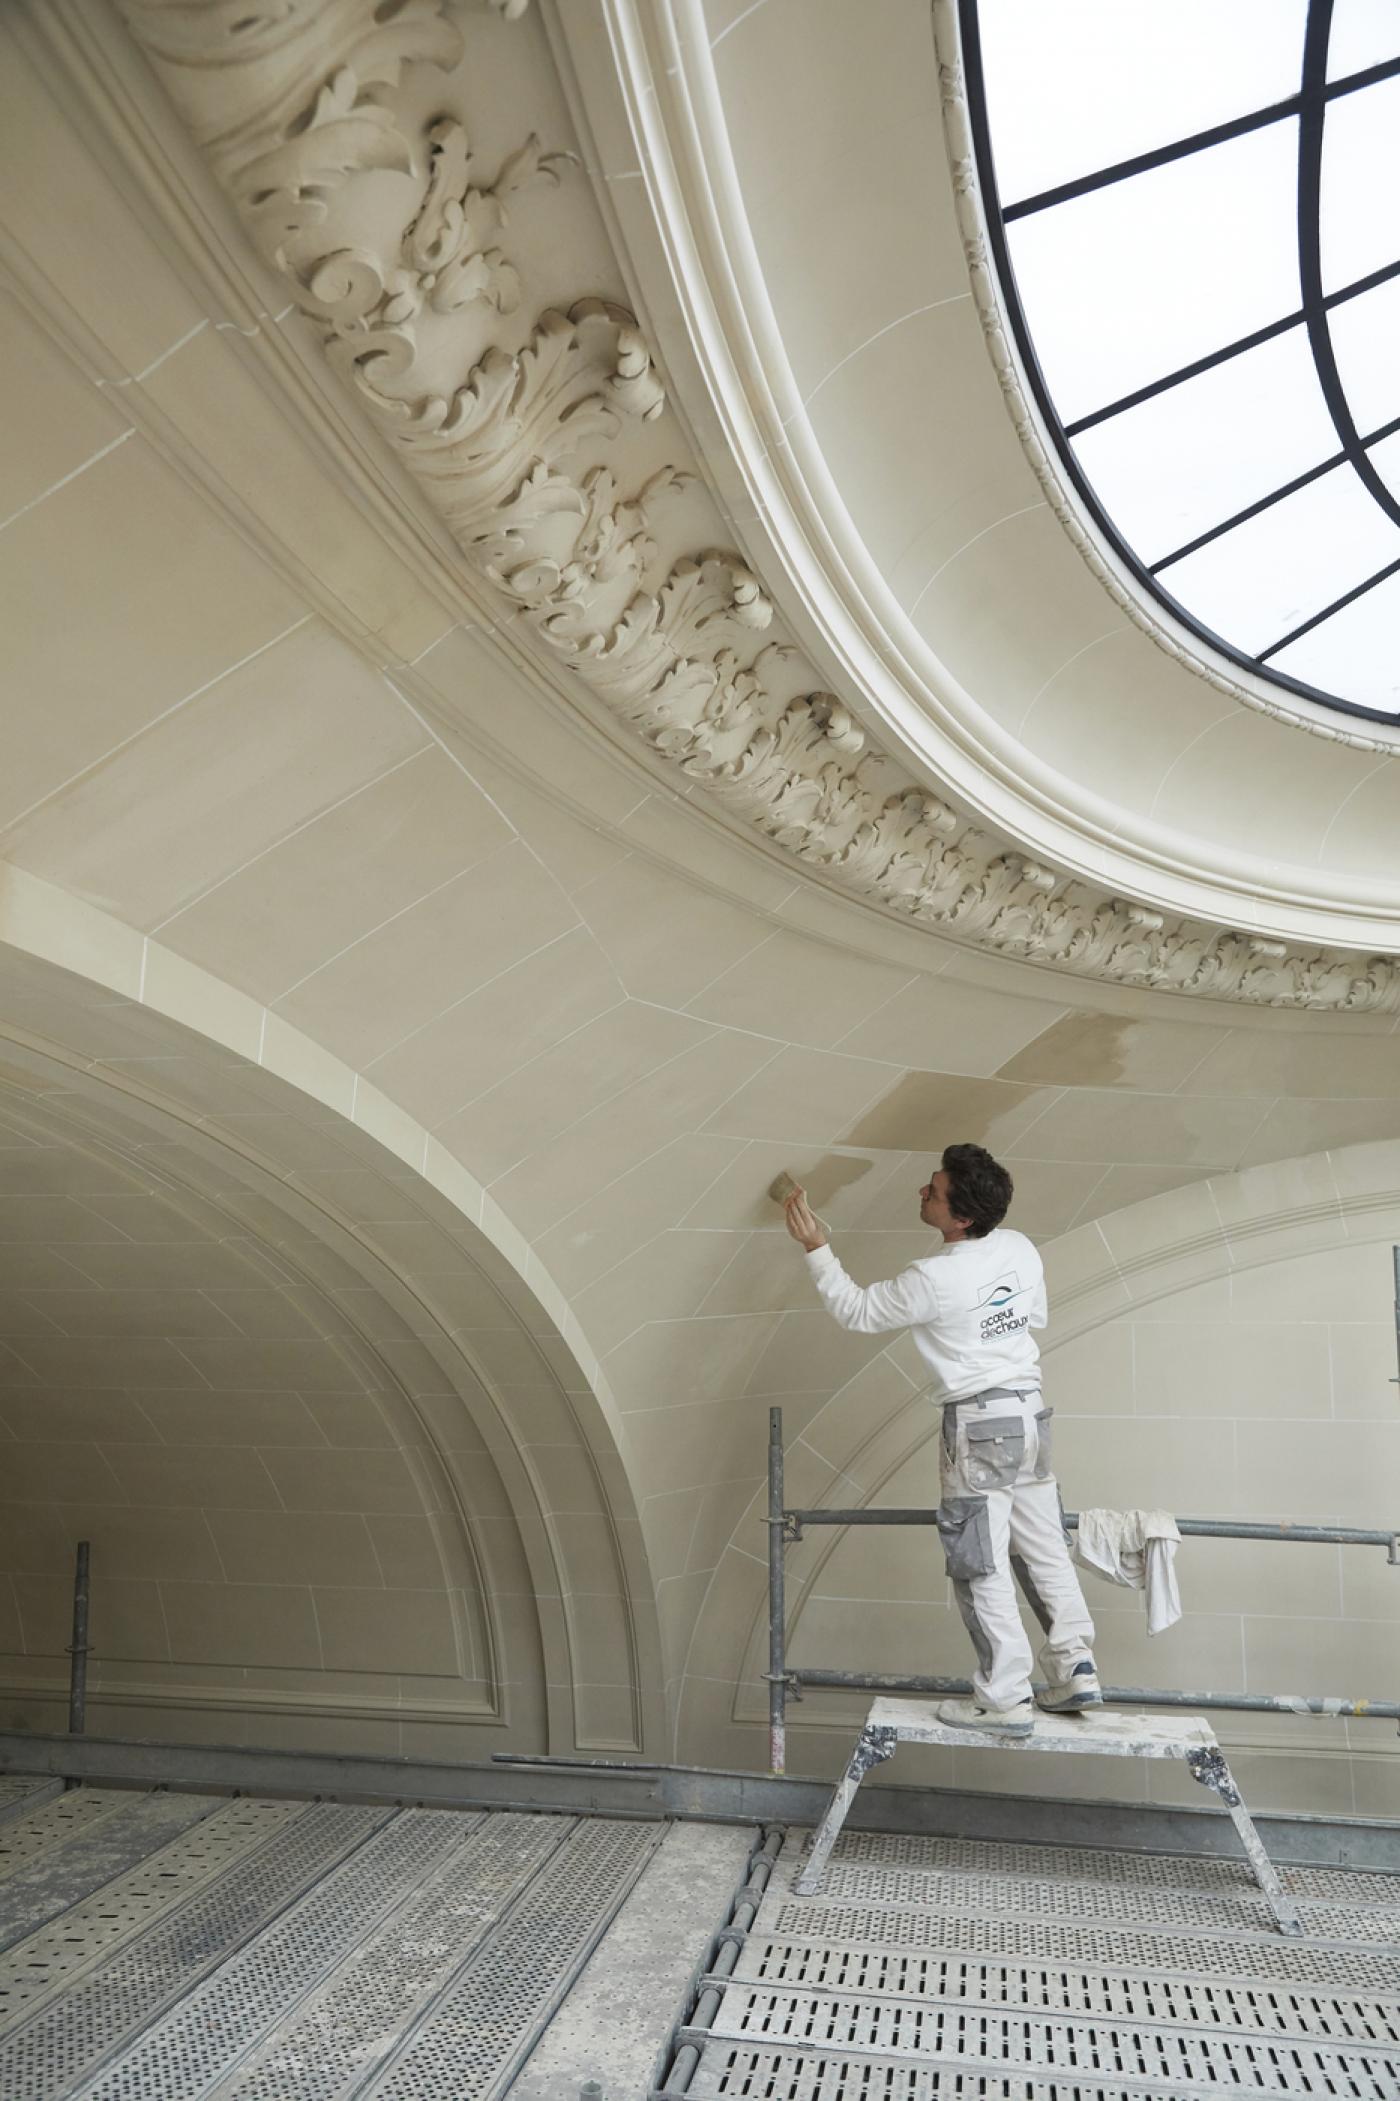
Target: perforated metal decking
(169, 1948)
(187, 1948)
(942, 1967)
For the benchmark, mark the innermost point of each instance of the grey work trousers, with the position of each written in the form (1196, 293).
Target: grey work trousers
(1001, 1513)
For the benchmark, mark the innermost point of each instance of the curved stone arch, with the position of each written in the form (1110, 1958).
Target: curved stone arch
(85, 987)
(866, 1436)
(72, 1108)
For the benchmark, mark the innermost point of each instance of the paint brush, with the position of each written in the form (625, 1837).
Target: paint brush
(783, 1186)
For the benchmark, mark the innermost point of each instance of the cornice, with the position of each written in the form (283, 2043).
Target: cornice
(544, 443)
(674, 112)
(695, 254)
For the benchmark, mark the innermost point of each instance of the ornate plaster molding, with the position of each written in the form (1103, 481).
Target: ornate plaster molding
(546, 448)
(1176, 641)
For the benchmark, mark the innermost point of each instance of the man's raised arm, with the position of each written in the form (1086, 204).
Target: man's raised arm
(906, 1301)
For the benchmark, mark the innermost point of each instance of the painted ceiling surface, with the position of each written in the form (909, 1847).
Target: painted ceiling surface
(449, 869)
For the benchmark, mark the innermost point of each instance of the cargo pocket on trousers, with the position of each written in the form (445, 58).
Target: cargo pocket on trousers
(1045, 1451)
(996, 1445)
(967, 1537)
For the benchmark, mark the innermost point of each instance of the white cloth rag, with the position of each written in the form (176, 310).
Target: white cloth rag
(1136, 1548)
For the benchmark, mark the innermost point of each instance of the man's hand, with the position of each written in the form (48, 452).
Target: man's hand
(803, 1223)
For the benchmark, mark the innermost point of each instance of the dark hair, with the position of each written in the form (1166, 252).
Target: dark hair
(979, 1188)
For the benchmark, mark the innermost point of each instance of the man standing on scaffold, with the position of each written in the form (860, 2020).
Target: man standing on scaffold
(971, 1306)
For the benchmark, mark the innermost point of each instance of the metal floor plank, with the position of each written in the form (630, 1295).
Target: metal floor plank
(52, 2051)
(142, 1824)
(468, 2044)
(47, 1962)
(21, 1791)
(25, 1838)
(340, 2038)
(1208, 2003)
(917, 1850)
(930, 1967)
(215, 2026)
(1259, 1958)
(857, 1886)
(740, 2073)
(1012, 2038)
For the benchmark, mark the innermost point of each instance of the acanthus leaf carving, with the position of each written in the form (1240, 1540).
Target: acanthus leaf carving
(284, 193)
(257, 80)
(515, 446)
(450, 246)
(513, 416)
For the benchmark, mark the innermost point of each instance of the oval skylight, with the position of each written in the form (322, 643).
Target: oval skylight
(1194, 207)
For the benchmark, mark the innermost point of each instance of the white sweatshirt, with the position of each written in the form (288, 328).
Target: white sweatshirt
(970, 1307)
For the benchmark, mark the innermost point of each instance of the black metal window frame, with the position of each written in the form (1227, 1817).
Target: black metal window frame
(1309, 105)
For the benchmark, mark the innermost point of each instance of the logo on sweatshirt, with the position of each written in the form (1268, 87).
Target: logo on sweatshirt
(997, 1307)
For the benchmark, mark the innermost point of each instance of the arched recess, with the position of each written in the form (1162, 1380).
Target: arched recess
(449, 1446)
(1227, 1349)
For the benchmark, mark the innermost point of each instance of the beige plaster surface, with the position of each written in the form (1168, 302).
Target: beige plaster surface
(395, 1064)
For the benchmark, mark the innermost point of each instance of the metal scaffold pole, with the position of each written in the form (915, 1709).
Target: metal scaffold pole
(77, 1684)
(789, 1525)
(777, 1659)
(922, 1687)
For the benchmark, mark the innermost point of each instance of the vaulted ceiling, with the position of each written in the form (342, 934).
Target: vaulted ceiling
(408, 1007)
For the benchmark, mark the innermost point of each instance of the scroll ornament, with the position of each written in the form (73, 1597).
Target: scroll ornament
(396, 249)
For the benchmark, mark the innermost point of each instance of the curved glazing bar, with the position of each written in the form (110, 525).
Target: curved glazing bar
(1201, 267)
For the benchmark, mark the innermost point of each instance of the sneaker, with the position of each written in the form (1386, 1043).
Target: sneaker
(1079, 1690)
(997, 1721)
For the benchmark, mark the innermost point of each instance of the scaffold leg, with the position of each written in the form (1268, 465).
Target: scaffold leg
(1209, 1767)
(874, 1745)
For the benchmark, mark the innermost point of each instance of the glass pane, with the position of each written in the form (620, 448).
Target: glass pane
(1364, 33)
(1076, 86)
(1366, 344)
(1131, 283)
(1361, 184)
(1260, 579)
(1354, 653)
(1127, 284)
(1189, 458)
